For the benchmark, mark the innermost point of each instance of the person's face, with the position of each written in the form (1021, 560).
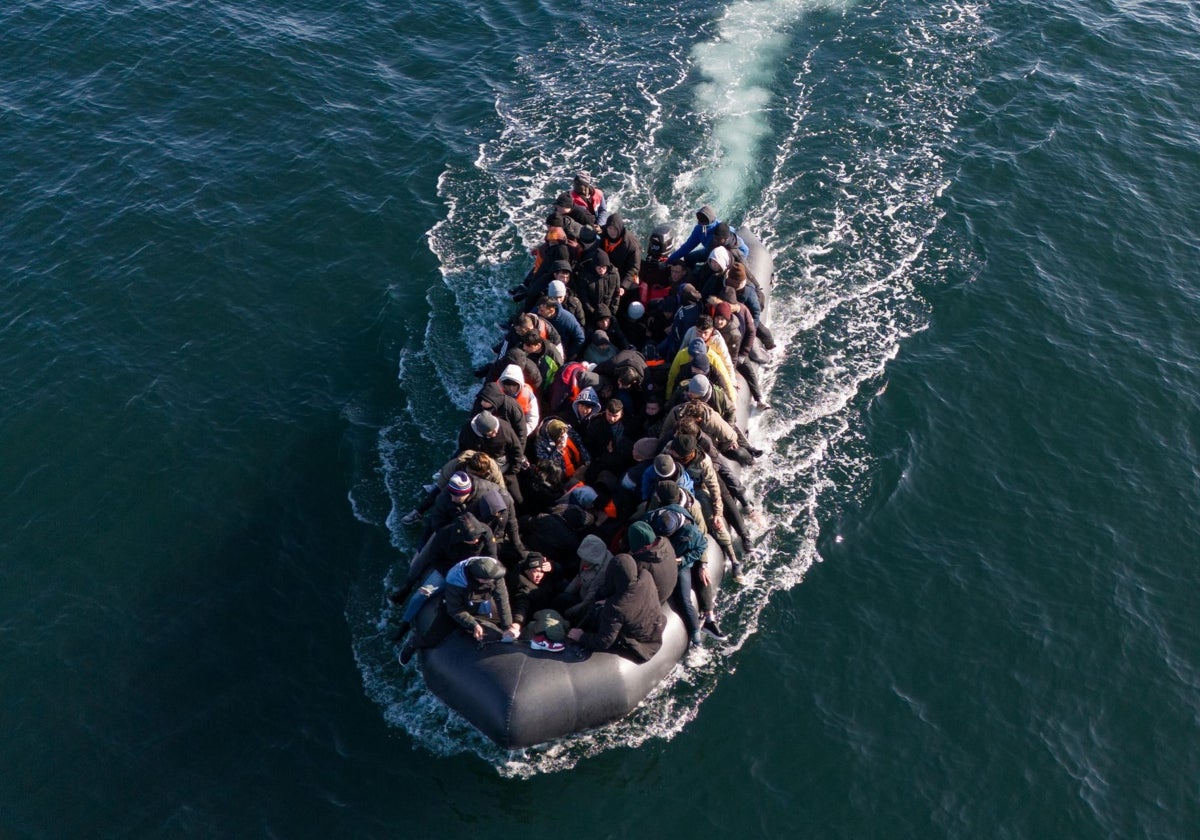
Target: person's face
(586, 409)
(613, 417)
(720, 321)
(510, 388)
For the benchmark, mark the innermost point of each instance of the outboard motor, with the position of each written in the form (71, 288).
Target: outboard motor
(662, 239)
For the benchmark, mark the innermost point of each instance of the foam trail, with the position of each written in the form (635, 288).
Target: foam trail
(740, 65)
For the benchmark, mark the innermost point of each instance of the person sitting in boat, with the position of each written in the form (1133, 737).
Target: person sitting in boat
(545, 357)
(496, 510)
(546, 255)
(561, 292)
(710, 278)
(512, 383)
(625, 375)
(690, 545)
(599, 285)
(585, 194)
(625, 252)
(714, 344)
(511, 351)
(607, 440)
(558, 532)
(476, 600)
(733, 492)
(631, 621)
(485, 432)
(664, 468)
(724, 436)
(730, 330)
(491, 397)
(694, 357)
(655, 555)
(707, 489)
(476, 464)
(566, 324)
(582, 410)
(599, 348)
(463, 492)
(695, 248)
(726, 237)
(749, 296)
(612, 327)
(684, 319)
(541, 487)
(566, 209)
(572, 377)
(464, 536)
(628, 494)
(584, 588)
(559, 444)
(533, 587)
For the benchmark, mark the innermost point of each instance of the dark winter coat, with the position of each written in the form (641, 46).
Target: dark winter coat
(658, 558)
(631, 622)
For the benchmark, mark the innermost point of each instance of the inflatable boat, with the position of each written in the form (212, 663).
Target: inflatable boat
(519, 697)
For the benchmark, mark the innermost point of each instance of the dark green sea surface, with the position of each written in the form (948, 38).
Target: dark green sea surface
(250, 253)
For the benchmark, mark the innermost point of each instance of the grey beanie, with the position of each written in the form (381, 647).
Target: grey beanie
(484, 423)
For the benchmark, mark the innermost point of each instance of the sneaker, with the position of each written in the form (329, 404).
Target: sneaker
(401, 632)
(762, 405)
(540, 642)
(713, 629)
(406, 653)
(412, 517)
(754, 451)
(738, 577)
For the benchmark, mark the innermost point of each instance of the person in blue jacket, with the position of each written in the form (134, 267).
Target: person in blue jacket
(695, 248)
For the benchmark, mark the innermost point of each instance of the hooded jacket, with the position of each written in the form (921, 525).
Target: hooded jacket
(469, 600)
(623, 248)
(507, 448)
(503, 406)
(526, 400)
(449, 545)
(658, 558)
(701, 235)
(631, 622)
(587, 584)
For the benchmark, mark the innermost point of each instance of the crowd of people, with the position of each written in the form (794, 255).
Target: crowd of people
(595, 465)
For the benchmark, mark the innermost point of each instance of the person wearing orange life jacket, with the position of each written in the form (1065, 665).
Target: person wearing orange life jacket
(585, 194)
(561, 445)
(514, 386)
(553, 248)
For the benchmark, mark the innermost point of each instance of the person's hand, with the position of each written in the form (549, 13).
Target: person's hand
(719, 523)
(514, 630)
(478, 632)
(705, 580)
(574, 634)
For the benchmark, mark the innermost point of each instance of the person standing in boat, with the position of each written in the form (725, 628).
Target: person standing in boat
(624, 251)
(585, 194)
